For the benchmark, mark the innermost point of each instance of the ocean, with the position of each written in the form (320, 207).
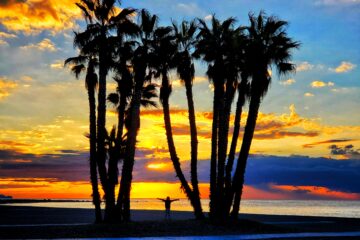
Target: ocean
(325, 208)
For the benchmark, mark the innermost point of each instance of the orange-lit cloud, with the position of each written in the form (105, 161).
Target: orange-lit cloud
(322, 192)
(6, 87)
(44, 45)
(344, 67)
(40, 188)
(34, 16)
(308, 94)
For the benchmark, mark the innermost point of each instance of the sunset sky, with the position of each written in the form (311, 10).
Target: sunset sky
(307, 140)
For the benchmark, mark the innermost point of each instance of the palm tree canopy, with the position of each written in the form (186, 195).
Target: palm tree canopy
(185, 39)
(268, 46)
(78, 66)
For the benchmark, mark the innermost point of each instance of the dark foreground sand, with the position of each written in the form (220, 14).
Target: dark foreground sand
(39, 222)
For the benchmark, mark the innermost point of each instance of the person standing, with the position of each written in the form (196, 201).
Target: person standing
(168, 202)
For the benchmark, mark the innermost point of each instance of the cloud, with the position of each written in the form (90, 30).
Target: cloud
(337, 2)
(58, 64)
(317, 192)
(304, 66)
(177, 83)
(303, 171)
(288, 82)
(344, 67)
(308, 94)
(3, 43)
(44, 45)
(347, 152)
(7, 35)
(310, 145)
(321, 84)
(208, 17)
(54, 166)
(6, 87)
(34, 16)
(276, 134)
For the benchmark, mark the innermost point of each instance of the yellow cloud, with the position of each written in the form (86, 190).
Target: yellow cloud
(308, 94)
(6, 86)
(288, 82)
(344, 67)
(34, 16)
(197, 80)
(7, 35)
(44, 45)
(58, 64)
(321, 84)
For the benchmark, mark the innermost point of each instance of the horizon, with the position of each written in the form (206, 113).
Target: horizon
(307, 140)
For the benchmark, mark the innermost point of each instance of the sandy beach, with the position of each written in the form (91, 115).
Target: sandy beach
(40, 222)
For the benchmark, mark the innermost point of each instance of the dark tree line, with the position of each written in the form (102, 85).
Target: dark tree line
(139, 52)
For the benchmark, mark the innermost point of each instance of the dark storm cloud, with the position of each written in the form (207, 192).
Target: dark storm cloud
(348, 150)
(66, 167)
(262, 171)
(304, 171)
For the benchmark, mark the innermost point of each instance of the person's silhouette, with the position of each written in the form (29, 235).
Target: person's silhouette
(168, 202)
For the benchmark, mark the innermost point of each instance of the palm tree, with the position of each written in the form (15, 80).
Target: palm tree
(140, 62)
(268, 46)
(243, 91)
(164, 54)
(219, 37)
(185, 40)
(101, 19)
(90, 84)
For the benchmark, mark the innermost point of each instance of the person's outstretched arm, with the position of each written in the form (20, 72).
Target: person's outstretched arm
(161, 199)
(175, 200)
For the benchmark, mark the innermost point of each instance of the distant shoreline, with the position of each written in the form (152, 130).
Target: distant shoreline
(12, 200)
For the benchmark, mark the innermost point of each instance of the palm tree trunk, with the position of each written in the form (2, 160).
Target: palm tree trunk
(165, 93)
(123, 201)
(238, 180)
(121, 117)
(225, 110)
(93, 167)
(194, 148)
(101, 129)
(231, 157)
(213, 161)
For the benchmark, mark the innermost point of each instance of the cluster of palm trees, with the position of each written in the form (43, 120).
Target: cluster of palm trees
(136, 54)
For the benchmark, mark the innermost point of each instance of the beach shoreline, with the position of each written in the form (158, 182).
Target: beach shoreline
(40, 222)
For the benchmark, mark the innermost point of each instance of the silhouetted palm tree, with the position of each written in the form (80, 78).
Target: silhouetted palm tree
(214, 46)
(243, 92)
(102, 20)
(268, 46)
(185, 40)
(91, 82)
(140, 62)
